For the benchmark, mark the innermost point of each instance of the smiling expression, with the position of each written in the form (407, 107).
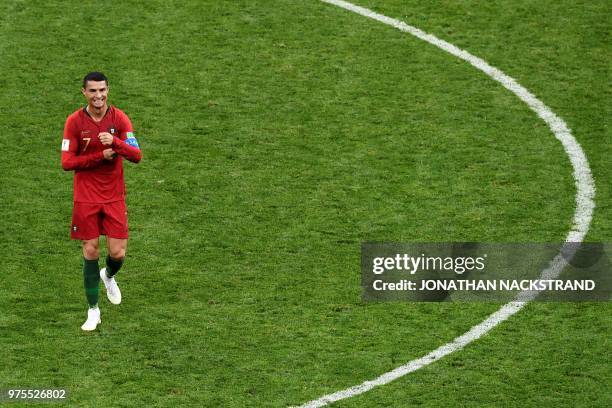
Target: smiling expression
(96, 93)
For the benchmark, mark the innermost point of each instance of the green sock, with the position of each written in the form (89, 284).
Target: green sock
(113, 266)
(91, 278)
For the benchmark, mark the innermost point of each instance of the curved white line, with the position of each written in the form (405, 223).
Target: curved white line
(585, 193)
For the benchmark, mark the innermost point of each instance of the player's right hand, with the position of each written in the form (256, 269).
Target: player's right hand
(106, 138)
(109, 154)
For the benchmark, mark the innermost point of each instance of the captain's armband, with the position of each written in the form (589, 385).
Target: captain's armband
(131, 140)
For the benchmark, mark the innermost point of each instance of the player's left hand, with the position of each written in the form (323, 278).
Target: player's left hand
(106, 138)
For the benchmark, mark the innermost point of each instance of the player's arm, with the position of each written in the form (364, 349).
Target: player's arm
(70, 147)
(126, 144)
(127, 148)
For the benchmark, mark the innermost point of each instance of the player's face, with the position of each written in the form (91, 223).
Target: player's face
(96, 93)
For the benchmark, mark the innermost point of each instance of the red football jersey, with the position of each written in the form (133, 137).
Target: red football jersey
(97, 180)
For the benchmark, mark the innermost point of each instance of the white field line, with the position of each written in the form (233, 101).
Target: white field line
(585, 194)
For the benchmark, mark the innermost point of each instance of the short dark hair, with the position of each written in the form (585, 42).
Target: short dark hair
(94, 76)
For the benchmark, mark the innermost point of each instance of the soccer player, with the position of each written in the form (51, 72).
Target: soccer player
(96, 140)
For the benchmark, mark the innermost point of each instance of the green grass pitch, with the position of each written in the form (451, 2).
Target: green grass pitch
(278, 136)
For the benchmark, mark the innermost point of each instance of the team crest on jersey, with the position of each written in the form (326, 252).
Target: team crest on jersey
(112, 131)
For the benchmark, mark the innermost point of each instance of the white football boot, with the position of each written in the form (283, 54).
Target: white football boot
(93, 319)
(112, 290)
